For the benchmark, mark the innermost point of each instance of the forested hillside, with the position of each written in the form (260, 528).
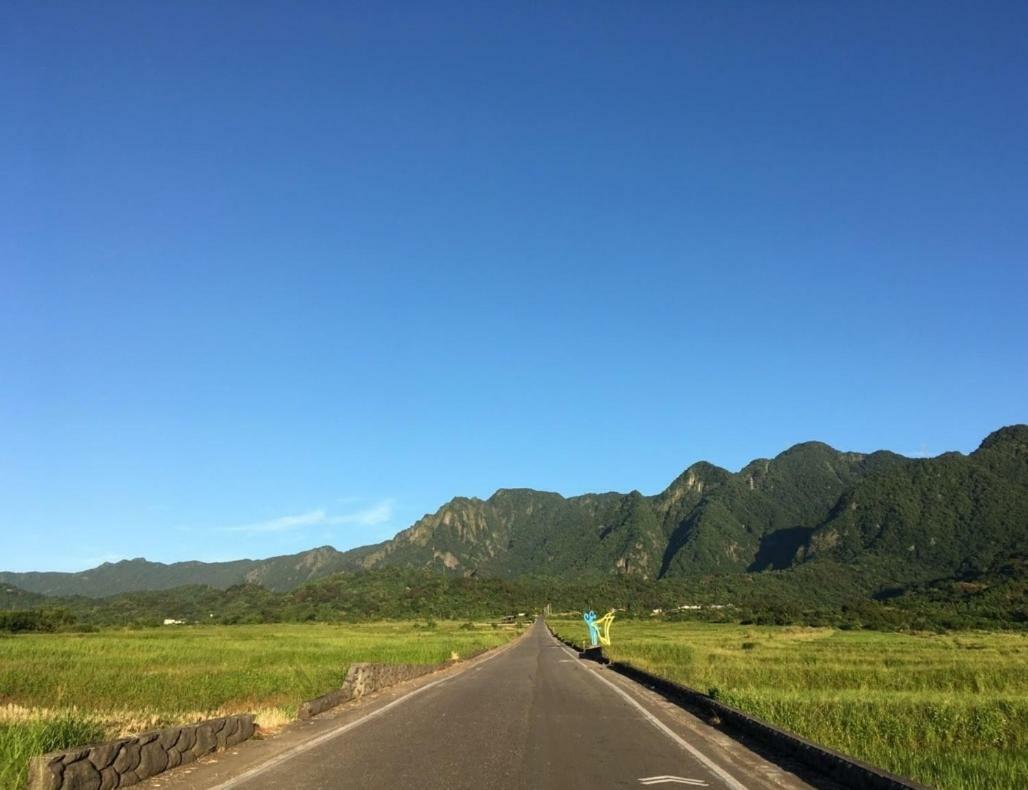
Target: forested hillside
(909, 519)
(816, 593)
(900, 520)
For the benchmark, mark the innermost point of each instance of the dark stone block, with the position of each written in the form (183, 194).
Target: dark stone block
(128, 758)
(186, 739)
(146, 737)
(320, 704)
(46, 773)
(169, 737)
(152, 760)
(103, 754)
(205, 740)
(109, 778)
(229, 736)
(81, 775)
(226, 730)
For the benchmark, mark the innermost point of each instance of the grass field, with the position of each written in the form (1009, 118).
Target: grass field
(59, 690)
(948, 710)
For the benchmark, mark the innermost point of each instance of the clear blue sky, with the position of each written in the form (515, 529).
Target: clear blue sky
(276, 275)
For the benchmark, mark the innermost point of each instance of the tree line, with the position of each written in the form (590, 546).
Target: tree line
(815, 594)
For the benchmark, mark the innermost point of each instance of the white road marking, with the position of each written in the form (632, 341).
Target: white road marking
(677, 780)
(726, 777)
(308, 745)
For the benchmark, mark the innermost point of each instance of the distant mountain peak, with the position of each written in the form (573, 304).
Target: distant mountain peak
(809, 502)
(1009, 434)
(808, 447)
(699, 475)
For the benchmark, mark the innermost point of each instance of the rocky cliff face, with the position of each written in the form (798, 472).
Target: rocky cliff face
(707, 520)
(944, 514)
(923, 516)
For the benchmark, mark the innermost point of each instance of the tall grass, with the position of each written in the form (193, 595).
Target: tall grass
(21, 740)
(948, 710)
(59, 690)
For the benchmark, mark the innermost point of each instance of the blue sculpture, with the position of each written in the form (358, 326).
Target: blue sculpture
(594, 624)
(590, 622)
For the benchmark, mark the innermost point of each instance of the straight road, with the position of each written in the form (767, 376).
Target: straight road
(532, 717)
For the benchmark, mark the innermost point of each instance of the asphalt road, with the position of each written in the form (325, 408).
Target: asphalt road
(531, 716)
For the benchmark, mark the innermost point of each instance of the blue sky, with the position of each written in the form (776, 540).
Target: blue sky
(279, 275)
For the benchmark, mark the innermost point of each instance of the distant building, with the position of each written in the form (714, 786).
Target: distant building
(170, 621)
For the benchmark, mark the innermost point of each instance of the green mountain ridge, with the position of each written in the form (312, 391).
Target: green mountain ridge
(908, 520)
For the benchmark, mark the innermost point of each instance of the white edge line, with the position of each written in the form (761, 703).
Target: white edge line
(726, 777)
(327, 736)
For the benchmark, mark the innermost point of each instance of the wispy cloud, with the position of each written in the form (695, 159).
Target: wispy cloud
(282, 523)
(368, 517)
(378, 513)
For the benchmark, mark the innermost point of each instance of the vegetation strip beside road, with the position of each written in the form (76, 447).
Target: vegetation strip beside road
(947, 710)
(62, 690)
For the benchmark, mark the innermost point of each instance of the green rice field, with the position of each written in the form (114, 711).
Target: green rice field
(948, 710)
(60, 690)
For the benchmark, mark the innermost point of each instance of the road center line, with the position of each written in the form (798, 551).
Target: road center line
(726, 777)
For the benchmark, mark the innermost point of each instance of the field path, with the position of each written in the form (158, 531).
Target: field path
(531, 715)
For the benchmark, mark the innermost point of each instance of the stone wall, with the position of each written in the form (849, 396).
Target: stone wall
(126, 761)
(364, 678)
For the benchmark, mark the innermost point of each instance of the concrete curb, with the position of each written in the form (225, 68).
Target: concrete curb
(126, 761)
(364, 678)
(369, 676)
(839, 767)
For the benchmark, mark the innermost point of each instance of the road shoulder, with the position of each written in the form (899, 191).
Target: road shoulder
(721, 750)
(225, 768)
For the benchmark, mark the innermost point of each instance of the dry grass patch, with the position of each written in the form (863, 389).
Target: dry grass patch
(62, 690)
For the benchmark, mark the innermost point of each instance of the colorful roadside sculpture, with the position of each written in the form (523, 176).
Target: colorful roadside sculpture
(599, 628)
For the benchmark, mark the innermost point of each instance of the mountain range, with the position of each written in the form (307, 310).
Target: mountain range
(907, 519)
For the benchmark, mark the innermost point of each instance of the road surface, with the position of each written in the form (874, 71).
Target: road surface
(530, 716)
